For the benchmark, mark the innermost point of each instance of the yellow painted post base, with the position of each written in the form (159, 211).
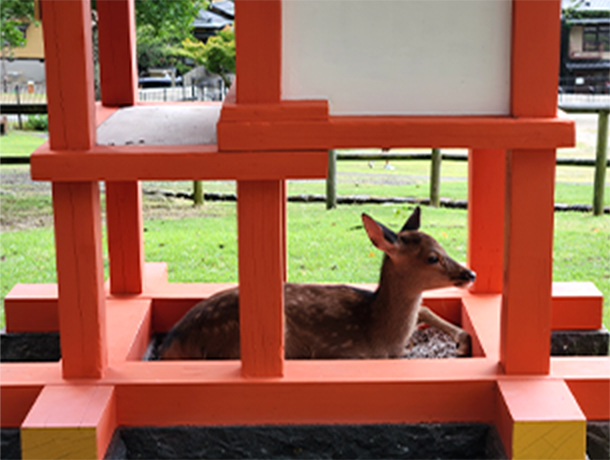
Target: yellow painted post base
(540, 419)
(71, 422)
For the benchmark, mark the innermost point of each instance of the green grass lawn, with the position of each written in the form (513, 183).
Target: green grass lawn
(323, 246)
(21, 143)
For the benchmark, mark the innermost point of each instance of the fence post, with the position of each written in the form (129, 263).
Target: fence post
(331, 180)
(600, 162)
(18, 105)
(435, 178)
(198, 192)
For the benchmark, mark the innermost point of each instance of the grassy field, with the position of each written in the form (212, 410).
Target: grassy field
(21, 143)
(323, 246)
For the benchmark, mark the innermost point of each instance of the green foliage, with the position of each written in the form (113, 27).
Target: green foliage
(156, 51)
(13, 14)
(170, 20)
(37, 123)
(161, 27)
(219, 54)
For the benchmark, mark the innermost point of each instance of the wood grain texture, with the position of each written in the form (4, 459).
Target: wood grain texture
(70, 422)
(69, 74)
(125, 237)
(261, 229)
(117, 52)
(528, 262)
(80, 271)
(486, 172)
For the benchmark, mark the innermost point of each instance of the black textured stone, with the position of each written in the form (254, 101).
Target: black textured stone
(598, 440)
(580, 343)
(10, 443)
(451, 441)
(29, 347)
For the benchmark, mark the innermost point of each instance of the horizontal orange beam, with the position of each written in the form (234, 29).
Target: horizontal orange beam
(388, 132)
(346, 391)
(286, 110)
(176, 162)
(33, 307)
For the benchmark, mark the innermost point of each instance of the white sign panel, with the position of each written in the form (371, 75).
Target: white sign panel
(398, 57)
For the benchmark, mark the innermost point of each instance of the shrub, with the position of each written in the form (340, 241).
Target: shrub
(37, 123)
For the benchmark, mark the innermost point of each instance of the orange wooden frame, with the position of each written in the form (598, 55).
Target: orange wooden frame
(262, 141)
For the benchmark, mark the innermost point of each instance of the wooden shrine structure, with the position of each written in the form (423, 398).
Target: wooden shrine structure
(298, 94)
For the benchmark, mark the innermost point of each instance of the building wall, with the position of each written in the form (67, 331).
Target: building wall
(576, 46)
(34, 48)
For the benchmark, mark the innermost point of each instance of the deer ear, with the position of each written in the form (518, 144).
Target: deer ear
(382, 237)
(412, 222)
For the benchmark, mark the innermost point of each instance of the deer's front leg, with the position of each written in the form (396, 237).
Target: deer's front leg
(459, 335)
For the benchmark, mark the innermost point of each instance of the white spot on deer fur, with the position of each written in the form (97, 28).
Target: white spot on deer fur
(347, 344)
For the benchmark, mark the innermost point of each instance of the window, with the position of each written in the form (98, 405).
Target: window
(596, 38)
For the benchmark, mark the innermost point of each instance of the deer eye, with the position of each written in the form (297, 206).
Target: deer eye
(433, 259)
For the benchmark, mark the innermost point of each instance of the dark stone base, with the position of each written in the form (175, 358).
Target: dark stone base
(10, 439)
(450, 441)
(598, 440)
(580, 343)
(29, 347)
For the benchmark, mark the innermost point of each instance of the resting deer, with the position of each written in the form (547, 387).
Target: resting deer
(339, 321)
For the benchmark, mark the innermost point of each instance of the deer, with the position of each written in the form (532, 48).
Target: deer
(339, 321)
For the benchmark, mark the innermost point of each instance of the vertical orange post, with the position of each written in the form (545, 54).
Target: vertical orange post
(76, 206)
(261, 209)
(259, 53)
(486, 218)
(261, 276)
(80, 270)
(69, 74)
(526, 300)
(125, 242)
(117, 50)
(118, 80)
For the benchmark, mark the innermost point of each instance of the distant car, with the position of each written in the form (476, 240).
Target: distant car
(158, 82)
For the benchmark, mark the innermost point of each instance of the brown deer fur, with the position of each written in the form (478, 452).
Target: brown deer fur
(339, 321)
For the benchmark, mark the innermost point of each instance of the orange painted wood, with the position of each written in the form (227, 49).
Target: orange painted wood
(261, 276)
(102, 113)
(306, 403)
(71, 411)
(183, 162)
(360, 132)
(258, 38)
(486, 172)
(69, 74)
(589, 380)
(576, 305)
(282, 111)
(125, 237)
(16, 403)
(481, 318)
(31, 308)
(82, 315)
(129, 329)
(526, 306)
(535, 60)
(117, 52)
(533, 401)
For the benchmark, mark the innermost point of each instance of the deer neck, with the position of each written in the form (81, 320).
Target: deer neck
(395, 308)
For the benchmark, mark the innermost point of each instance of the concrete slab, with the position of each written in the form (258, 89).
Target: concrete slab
(166, 124)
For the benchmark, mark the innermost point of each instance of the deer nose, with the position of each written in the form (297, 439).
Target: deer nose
(468, 275)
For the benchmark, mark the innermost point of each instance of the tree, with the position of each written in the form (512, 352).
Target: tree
(169, 20)
(161, 27)
(14, 14)
(217, 54)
